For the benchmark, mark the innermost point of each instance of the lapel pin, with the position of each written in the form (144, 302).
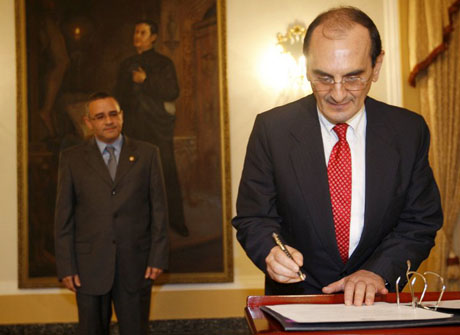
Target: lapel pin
(132, 159)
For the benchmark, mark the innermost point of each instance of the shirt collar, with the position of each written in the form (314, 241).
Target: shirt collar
(116, 144)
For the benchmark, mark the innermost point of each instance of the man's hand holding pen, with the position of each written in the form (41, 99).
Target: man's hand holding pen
(284, 262)
(283, 269)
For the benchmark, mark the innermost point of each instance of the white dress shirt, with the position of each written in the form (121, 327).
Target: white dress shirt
(356, 138)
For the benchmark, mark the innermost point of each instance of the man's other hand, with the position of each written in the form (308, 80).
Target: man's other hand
(139, 75)
(281, 268)
(359, 287)
(152, 273)
(72, 282)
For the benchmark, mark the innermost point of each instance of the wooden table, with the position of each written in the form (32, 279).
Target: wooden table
(261, 323)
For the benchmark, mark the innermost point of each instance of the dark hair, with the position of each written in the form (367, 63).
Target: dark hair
(343, 18)
(98, 96)
(153, 26)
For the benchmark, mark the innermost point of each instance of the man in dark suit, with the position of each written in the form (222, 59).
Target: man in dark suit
(342, 178)
(110, 223)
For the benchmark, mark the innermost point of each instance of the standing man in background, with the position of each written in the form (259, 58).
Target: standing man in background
(146, 88)
(342, 178)
(110, 223)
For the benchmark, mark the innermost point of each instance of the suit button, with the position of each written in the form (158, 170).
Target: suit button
(114, 192)
(115, 215)
(114, 242)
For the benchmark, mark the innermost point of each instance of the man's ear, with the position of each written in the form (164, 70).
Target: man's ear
(377, 66)
(307, 72)
(88, 122)
(153, 38)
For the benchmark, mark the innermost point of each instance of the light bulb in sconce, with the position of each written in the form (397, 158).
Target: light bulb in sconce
(284, 65)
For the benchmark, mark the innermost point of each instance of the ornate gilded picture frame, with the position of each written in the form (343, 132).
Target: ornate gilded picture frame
(69, 49)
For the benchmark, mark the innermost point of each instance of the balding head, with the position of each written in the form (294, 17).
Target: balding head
(336, 22)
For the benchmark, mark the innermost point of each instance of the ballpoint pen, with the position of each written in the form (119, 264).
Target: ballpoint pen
(283, 247)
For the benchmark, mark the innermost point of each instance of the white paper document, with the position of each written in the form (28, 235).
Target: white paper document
(379, 311)
(451, 304)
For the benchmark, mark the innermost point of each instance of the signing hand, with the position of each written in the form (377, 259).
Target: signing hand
(72, 282)
(359, 287)
(152, 273)
(139, 75)
(281, 268)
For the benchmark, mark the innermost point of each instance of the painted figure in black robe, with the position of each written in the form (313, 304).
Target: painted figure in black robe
(146, 88)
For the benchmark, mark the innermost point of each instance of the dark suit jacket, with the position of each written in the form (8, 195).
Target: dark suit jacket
(284, 188)
(102, 224)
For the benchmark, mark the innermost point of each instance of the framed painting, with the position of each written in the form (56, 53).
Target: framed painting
(67, 50)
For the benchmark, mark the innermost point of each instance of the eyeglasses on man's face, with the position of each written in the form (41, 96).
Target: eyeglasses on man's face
(350, 83)
(101, 116)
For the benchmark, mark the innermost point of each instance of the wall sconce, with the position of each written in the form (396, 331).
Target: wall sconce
(291, 45)
(285, 65)
(292, 42)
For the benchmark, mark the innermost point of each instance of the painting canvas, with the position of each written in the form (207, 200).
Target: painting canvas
(70, 49)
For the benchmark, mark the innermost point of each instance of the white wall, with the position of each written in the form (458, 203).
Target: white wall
(252, 26)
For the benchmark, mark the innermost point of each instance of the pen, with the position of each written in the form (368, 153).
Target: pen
(283, 247)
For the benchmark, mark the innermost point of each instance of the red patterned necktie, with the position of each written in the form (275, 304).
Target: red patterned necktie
(339, 175)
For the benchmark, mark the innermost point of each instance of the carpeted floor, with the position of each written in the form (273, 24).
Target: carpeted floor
(227, 326)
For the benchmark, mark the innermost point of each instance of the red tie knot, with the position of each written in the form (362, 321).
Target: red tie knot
(341, 131)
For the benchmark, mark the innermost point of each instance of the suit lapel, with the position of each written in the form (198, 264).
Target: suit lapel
(309, 164)
(382, 161)
(94, 159)
(128, 158)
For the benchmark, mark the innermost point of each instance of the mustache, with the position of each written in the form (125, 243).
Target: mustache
(329, 99)
(332, 101)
